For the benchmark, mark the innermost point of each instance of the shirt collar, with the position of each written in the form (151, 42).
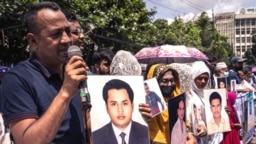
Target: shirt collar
(222, 121)
(45, 71)
(117, 132)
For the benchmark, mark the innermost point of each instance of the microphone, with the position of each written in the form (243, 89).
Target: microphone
(84, 93)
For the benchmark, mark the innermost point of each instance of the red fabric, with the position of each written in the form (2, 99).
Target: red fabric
(232, 137)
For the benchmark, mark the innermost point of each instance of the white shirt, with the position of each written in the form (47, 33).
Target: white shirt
(223, 126)
(179, 135)
(118, 132)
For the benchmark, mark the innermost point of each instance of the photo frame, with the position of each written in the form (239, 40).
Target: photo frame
(222, 82)
(233, 85)
(154, 97)
(177, 119)
(108, 117)
(217, 120)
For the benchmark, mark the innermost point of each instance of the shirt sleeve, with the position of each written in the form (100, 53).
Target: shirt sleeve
(18, 102)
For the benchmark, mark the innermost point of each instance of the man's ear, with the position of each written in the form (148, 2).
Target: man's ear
(132, 106)
(32, 40)
(106, 107)
(97, 67)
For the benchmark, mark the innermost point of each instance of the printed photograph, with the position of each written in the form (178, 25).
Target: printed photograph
(233, 85)
(177, 113)
(222, 82)
(154, 96)
(217, 118)
(115, 116)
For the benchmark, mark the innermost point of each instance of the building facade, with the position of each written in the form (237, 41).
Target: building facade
(239, 29)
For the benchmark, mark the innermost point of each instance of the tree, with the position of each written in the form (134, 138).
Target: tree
(187, 34)
(251, 53)
(119, 24)
(213, 43)
(13, 40)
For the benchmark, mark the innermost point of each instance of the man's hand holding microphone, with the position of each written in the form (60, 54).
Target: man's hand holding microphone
(75, 76)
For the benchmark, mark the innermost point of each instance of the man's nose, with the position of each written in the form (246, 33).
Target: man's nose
(66, 38)
(120, 108)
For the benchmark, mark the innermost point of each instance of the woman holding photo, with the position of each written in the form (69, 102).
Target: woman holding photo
(232, 137)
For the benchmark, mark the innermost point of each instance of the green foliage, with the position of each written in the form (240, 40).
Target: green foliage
(251, 60)
(119, 25)
(251, 53)
(214, 44)
(13, 43)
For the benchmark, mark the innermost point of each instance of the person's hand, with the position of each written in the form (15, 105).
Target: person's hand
(238, 125)
(191, 139)
(75, 72)
(201, 130)
(145, 111)
(227, 110)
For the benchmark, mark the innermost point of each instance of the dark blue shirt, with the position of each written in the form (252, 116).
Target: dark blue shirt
(27, 92)
(152, 99)
(232, 75)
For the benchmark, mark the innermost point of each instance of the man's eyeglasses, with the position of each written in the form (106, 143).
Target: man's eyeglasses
(166, 81)
(78, 31)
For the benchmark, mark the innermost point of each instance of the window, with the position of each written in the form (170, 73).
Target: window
(238, 32)
(242, 22)
(243, 39)
(248, 22)
(237, 24)
(242, 31)
(238, 40)
(243, 48)
(248, 39)
(248, 31)
(253, 30)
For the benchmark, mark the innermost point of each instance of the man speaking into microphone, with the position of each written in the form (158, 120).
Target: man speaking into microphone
(41, 101)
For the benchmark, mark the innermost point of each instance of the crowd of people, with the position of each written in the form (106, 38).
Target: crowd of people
(40, 96)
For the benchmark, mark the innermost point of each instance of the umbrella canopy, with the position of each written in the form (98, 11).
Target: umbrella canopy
(169, 54)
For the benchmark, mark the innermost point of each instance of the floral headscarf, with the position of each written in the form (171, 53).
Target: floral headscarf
(185, 77)
(158, 70)
(124, 63)
(159, 129)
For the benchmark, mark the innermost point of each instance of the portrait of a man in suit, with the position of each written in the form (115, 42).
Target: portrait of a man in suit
(118, 97)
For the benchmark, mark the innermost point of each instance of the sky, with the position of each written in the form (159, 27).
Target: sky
(169, 9)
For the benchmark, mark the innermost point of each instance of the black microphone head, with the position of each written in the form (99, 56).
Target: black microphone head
(74, 51)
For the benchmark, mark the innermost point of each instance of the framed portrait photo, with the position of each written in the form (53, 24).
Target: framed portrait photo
(217, 118)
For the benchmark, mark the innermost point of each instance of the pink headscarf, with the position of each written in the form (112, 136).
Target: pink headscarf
(230, 102)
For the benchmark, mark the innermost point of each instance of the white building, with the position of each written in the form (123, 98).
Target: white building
(238, 28)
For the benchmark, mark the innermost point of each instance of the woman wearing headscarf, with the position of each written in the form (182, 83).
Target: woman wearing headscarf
(232, 137)
(125, 63)
(195, 98)
(169, 84)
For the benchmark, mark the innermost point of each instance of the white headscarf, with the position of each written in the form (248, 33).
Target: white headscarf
(198, 68)
(124, 63)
